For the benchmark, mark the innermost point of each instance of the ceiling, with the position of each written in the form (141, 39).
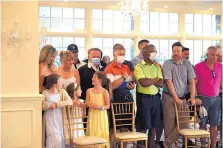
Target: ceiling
(204, 6)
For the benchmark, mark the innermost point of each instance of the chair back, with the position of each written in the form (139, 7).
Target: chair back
(123, 115)
(185, 114)
(77, 119)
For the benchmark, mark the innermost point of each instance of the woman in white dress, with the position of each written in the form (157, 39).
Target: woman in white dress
(74, 92)
(55, 100)
(67, 71)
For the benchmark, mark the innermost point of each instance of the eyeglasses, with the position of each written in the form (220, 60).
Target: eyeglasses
(213, 74)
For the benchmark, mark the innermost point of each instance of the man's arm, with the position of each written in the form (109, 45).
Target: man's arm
(173, 92)
(160, 76)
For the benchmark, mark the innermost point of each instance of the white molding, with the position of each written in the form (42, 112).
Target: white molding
(21, 97)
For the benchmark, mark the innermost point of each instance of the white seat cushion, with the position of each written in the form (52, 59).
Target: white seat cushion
(193, 132)
(130, 135)
(89, 140)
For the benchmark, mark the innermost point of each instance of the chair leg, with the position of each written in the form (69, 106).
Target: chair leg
(209, 142)
(146, 143)
(121, 144)
(185, 142)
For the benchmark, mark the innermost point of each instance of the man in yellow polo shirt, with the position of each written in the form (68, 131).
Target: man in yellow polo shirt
(149, 78)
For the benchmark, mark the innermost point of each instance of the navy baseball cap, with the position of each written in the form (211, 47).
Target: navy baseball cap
(72, 47)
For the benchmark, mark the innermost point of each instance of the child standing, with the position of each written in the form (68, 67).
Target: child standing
(55, 99)
(98, 101)
(74, 91)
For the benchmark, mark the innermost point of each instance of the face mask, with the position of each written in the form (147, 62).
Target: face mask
(120, 59)
(95, 61)
(152, 55)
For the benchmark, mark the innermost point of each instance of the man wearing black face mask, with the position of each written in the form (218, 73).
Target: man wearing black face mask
(149, 77)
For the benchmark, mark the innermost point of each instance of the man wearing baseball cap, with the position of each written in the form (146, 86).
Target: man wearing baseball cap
(74, 49)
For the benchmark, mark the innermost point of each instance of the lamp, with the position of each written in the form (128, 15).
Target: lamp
(134, 8)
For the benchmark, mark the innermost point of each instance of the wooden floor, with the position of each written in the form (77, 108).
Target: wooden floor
(130, 145)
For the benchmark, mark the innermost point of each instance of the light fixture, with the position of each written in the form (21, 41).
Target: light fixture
(43, 34)
(16, 35)
(134, 8)
(210, 9)
(165, 6)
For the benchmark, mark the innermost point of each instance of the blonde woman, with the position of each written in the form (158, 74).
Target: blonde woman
(67, 71)
(46, 67)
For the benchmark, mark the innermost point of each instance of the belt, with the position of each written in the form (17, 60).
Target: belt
(148, 95)
(123, 96)
(172, 96)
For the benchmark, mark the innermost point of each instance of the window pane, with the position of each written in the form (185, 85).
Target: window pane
(68, 25)
(206, 44)
(118, 40)
(173, 17)
(189, 18)
(46, 22)
(79, 41)
(68, 13)
(81, 54)
(108, 43)
(44, 11)
(198, 24)
(67, 41)
(127, 26)
(97, 42)
(56, 24)
(79, 13)
(79, 24)
(144, 18)
(97, 14)
(144, 27)
(107, 14)
(173, 28)
(216, 24)
(118, 15)
(118, 26)
(164, 21)
(56, 42)
(155, 43)
(207, 24)
(56, 12)
(97, 25)
(189, 28)
(197, 51)
(107, 26)
(164, 49)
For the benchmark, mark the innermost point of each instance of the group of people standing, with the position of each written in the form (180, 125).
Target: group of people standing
(96, 83)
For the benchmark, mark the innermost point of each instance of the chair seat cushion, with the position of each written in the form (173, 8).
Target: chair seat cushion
(130, 135)
(89, 140)
(193, 132)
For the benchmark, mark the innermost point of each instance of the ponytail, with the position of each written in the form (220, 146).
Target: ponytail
(108, 87)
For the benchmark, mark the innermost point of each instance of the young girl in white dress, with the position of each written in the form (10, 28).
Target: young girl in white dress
(54, 102)
(74, 92)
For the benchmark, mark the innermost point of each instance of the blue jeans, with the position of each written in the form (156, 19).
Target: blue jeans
(212, 105)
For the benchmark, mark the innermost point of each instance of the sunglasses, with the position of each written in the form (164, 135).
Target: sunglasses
(213, 74)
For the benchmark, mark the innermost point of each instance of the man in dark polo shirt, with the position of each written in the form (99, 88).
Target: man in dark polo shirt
(87, 71)
(177, 72)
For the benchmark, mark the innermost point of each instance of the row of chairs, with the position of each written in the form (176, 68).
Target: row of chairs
(126, 112)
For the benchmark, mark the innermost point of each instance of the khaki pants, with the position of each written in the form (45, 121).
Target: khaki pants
(169, 117)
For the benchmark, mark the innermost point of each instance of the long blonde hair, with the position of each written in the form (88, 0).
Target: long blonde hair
(45, 53)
